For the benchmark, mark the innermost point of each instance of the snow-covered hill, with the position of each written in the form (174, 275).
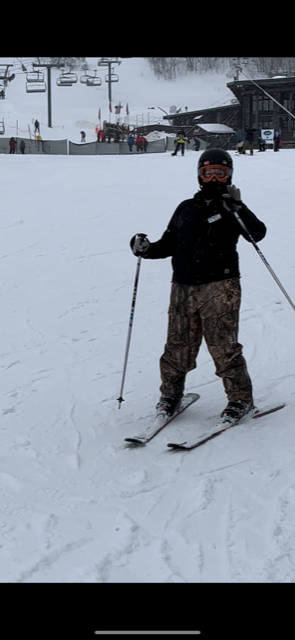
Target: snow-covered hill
(76, 108)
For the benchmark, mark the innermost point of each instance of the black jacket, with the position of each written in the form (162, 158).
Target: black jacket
(202, 241)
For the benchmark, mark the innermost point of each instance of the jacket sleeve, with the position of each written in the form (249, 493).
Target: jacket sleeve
(256, 228)
(167, 244)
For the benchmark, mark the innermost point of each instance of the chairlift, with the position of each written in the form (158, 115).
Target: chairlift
(113, 78)
(62, 81)
(71, 76)
(2, 127)
(66, 79)
(36, 87)
(84, 78)
(35, 76)
(93, 81)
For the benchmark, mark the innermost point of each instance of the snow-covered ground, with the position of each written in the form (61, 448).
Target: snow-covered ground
(77, 506)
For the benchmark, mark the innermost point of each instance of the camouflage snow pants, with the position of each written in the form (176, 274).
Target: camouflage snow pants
(210, 310)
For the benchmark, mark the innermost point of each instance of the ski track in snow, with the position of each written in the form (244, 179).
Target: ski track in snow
(77, 506)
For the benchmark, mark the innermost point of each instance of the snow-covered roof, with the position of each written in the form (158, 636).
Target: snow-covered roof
(215, 128)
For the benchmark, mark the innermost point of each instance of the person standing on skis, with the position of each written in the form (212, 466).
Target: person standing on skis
(179, 142)
(205, 297)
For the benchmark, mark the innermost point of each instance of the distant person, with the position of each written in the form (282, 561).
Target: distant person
(22, 146)
(37, 126)
(130, 141)
(108, 134)
(240, 141)
(249, 140)
(139, 143)
(102, 136)
(12, 145)
(145, 143)
(83, 136)
(261, 144)
(179, 142)
(277, 140)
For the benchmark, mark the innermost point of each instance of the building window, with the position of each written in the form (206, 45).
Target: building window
(265, 124)
(265, 104)
(283, 123)
(285, 96)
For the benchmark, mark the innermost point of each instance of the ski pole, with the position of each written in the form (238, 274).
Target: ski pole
(121, 399)
(264, 259)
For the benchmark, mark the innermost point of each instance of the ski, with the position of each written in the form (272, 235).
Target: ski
(161, 423)
(255, 413)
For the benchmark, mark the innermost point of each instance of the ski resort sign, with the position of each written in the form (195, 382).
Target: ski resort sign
(267, 135)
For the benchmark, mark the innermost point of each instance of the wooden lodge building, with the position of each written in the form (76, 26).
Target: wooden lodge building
(249, 106)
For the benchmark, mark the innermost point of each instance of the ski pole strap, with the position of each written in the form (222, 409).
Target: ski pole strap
(263, 259)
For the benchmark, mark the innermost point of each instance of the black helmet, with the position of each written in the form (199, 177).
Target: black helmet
(215, 158)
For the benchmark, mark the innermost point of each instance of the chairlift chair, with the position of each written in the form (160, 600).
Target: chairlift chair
(63, 82)
(35, 76)
(84, 78)
(113, 78)
(2, 127)
(93, 81)
(71, 76)
(35, 87)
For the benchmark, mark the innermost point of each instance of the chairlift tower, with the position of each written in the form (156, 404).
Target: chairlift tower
(49, 67)
(5, 78)
(110, 77)
(237, 62)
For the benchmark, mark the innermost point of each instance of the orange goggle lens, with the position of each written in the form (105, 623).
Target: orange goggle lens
(217, 171)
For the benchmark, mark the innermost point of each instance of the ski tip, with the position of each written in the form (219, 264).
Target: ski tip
(135, 441)
(260, 414)
(175, 445)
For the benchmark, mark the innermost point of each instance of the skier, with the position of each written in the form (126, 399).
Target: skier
(205, 298)
(12, 145)
(37, 126)
(261, 144)
(179, 142)
(249, 138)
(277, 140)
(22, 146)
(83, 136)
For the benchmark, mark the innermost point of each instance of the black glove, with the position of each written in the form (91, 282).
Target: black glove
(232, 198)
(139, 245)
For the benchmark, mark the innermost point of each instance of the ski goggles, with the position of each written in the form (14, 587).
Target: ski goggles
(217, 171)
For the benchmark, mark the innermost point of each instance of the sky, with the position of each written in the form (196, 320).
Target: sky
(78, 505)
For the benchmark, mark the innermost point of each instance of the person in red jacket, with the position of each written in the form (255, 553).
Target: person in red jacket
(102, 136)
(139, 143)
(12, 145)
